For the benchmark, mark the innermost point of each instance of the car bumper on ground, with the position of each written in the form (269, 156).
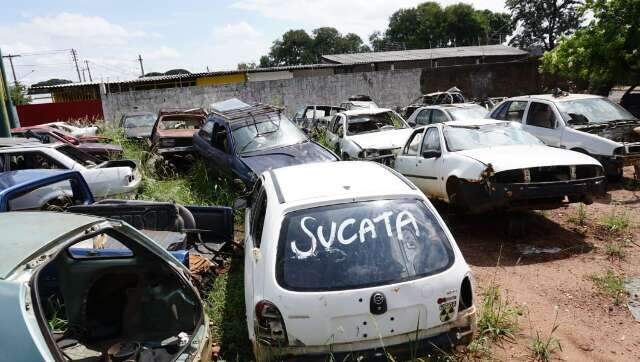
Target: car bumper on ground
(479, 197)
(400, 347)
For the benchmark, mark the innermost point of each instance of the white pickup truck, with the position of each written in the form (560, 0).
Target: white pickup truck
(584, 123)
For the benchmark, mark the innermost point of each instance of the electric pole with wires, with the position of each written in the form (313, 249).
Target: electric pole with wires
(86, 63)
(141, 66)
(13, 71)
(74, 55)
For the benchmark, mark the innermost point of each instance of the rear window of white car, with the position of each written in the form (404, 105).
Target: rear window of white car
(359, 245)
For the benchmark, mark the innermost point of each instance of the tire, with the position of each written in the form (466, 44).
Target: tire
(617, 175)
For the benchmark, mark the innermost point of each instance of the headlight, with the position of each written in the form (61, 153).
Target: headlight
(369, 153)
(168, 142)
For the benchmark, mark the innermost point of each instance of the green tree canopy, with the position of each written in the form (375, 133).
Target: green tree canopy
(543, 22)
(605, 52)
(176, 72)
(19, 95)
(297, 47)
(430, 25)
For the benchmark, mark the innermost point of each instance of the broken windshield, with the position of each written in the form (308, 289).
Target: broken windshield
(267, 135)
(360, 244)
(483, 136)
(367, 123)
(181, 122)
(592, 110)
(143, 120)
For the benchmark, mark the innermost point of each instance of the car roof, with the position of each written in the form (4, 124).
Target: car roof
(19, 241)
(473, 122)
(452, 105)
(552, 98)
(335, 180)
(358, 112)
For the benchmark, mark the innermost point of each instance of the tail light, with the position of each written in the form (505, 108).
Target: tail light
(269, 326)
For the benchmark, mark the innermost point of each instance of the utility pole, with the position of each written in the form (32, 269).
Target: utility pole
(84, 79)
(13, 71)
(141, 66)
(74, 55)
(86, 62)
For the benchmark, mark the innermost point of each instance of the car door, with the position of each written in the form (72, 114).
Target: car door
(332, 131)
(202, 138)
(542, 121)
(429, 164)
(220, 153)
(407, 162)
(253, 264)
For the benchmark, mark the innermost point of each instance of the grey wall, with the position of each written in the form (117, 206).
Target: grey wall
(387, 88)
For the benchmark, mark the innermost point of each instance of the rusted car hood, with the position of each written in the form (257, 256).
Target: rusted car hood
(505, 158)
(306, 152)
(176, 133)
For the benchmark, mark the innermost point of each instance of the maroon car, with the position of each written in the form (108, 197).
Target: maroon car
(90, 145)
(172, 134)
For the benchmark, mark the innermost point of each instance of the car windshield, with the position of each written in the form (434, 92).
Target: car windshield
(468, 113)
(145, 120)
(360, 244)
(592, 110)
(274, 133)
(181, 122)
(367, 123)
(77, 155)
(460, 138)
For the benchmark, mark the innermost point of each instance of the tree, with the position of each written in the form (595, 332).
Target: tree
(19, 95)
(543, 22)
(293, 49)
(50, 82)
(177, 71)
(429, 25)
(605, 52)
(246, 66)
(152, 74)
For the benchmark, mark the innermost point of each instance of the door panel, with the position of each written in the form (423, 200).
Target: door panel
(544, 123)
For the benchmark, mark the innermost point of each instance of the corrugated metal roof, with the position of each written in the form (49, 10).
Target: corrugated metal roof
(177, 77)
(424, 54)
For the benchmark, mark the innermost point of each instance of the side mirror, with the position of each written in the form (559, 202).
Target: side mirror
(239, 203)
(431, 154)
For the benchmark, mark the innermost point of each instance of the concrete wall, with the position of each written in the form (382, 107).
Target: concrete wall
(387, 88)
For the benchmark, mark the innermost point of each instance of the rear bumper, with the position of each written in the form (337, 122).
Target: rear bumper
(479, 197)
(400, 347)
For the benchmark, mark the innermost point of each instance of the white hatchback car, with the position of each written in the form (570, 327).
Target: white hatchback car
(342, 265)
(368, 134)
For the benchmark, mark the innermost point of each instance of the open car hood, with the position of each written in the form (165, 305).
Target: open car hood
(383, 140)
(505, 158)
(300, 153)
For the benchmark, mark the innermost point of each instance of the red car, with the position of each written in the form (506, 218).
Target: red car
(172, 134)
(88, 144)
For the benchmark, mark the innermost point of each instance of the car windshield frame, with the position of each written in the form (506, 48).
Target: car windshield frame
(527, 138)
(435, 236)
(359, 119)
(245, 136)
(78, 156)
(464, 110)
(605, 108)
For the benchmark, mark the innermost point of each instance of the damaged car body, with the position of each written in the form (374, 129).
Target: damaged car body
(483, 165)
(446, 113)
(368, 134)
(585, 123)
(67, 296)
(314, 117)
(339, 267)
(242, 141)
(172, 134)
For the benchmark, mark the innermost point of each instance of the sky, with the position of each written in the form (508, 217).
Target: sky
(190, 34)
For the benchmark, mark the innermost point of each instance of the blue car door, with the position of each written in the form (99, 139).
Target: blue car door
(220, 151)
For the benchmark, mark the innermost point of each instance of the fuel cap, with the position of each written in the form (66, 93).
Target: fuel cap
(378, 303)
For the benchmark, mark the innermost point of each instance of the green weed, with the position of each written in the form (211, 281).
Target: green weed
(580, 216)
(610, 284)
(542, 349)
(498, 319)
(616, 221)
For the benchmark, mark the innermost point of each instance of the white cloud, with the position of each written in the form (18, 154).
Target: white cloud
(80, 26)
(236, 43)
(241, 29)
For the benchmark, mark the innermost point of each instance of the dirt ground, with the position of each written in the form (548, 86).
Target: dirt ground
(591, 326)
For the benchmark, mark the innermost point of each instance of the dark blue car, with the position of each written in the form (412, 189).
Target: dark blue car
(240, 141)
